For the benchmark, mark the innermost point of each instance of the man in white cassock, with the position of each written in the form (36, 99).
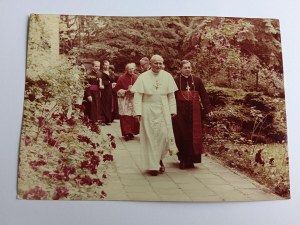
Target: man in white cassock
(154, 105)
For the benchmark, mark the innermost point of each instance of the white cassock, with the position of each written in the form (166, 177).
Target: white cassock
(154, 100)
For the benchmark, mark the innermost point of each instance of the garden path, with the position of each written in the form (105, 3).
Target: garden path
(209, 181)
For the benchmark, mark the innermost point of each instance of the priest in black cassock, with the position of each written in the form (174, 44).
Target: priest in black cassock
(108, 79)
(191, 100)
(92, 93)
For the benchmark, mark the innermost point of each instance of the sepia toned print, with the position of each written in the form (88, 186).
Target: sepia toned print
(153, 109)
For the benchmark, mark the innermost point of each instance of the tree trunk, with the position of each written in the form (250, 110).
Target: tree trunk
(43, 42)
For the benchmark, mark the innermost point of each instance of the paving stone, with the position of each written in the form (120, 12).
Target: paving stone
(133, 176)
(163, 184)
(232, 177)
(191, 186)
(199, 192)
(221, 187)
(168, 191)
(123, 167)
(248, 191)
(174, 170)
(160, 177)
(128, 171)
(206, 176)
(243, 184)
(134, 182)
(113, 183)
(138, 189)
(117, 198)
(209, 198)
(210, 181)
(115, 190)
(184, 180)
(174, 198)
(261, 196)
(179, 174)
(146, 196)
(233, 196)
(197, 170)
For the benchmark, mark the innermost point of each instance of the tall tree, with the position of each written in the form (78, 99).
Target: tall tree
(123, 39)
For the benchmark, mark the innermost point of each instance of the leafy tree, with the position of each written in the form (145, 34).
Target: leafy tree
(124, 39)
(229, 52)
(232, 52)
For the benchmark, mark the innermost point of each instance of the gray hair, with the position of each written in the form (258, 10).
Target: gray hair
(156, 57)
(128, 65)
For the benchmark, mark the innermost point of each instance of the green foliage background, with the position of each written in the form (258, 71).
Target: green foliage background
(228, 52)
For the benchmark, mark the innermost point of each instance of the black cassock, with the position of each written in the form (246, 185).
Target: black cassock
(191, 100)
(92, 109)
(107, 97)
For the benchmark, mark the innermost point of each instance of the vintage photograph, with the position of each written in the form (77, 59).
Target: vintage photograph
(161, 108)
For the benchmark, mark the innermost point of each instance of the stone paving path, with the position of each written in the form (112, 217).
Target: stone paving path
(208, 182)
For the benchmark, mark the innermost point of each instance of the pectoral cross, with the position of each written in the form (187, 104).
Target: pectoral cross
(156, 84)
(188, 87)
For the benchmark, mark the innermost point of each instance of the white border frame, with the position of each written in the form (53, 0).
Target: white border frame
(13, 41)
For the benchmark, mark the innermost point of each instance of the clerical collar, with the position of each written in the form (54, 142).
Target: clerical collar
(186, 77)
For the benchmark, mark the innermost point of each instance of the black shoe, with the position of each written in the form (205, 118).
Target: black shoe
(107, 124)
(131, 136)
(127, 137)
(162, 168)
(153, 172)
(182, 165)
